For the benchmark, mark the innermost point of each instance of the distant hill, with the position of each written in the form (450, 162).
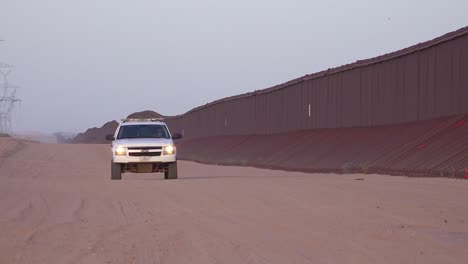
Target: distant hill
(97, 135)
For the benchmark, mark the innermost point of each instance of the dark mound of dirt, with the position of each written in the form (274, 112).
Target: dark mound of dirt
(97, 135)
(145, 114)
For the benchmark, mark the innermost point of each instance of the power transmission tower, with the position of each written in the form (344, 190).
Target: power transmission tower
(8, 98)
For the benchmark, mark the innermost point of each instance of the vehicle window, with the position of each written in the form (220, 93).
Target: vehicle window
(143, 131)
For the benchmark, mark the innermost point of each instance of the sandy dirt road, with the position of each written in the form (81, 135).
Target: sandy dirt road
(58, 205)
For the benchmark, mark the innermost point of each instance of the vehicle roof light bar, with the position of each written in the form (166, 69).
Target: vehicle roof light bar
(159, 119)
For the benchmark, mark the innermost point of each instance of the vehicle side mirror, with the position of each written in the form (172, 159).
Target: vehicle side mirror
(110, 137)
(176, 136)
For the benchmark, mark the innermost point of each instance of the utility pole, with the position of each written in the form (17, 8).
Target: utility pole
(8, 98)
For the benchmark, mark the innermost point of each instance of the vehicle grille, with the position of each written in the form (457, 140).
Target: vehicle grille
(144, 154)
(140, 148)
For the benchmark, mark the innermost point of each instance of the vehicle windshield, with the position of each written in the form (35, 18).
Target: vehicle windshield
(143, 131)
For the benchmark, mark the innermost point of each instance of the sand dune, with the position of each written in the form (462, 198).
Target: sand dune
(58, 205)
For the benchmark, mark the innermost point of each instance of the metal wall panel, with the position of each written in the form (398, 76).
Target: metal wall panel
(410, 88)
(426, 81)
(350, 112)
(464, 75)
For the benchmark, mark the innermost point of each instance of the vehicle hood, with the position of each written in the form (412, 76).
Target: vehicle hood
(143, 142)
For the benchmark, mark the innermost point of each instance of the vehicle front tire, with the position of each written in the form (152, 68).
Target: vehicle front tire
(171, 172)
(116, 171)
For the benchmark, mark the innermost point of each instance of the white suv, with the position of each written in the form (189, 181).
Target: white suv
(143, 146)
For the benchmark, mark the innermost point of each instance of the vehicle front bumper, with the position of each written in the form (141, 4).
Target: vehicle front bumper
(144, 159)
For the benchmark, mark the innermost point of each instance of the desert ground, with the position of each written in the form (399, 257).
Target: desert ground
(58, 205)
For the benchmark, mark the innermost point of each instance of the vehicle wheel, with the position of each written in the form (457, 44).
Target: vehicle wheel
(116, 171)
(171, 172)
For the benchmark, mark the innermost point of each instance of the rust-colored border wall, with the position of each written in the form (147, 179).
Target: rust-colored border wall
(426, 81)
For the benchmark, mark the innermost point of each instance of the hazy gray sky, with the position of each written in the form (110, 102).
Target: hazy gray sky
(81, 63)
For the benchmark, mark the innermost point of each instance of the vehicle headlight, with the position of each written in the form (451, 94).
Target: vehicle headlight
(168, 150)
(120, 151)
